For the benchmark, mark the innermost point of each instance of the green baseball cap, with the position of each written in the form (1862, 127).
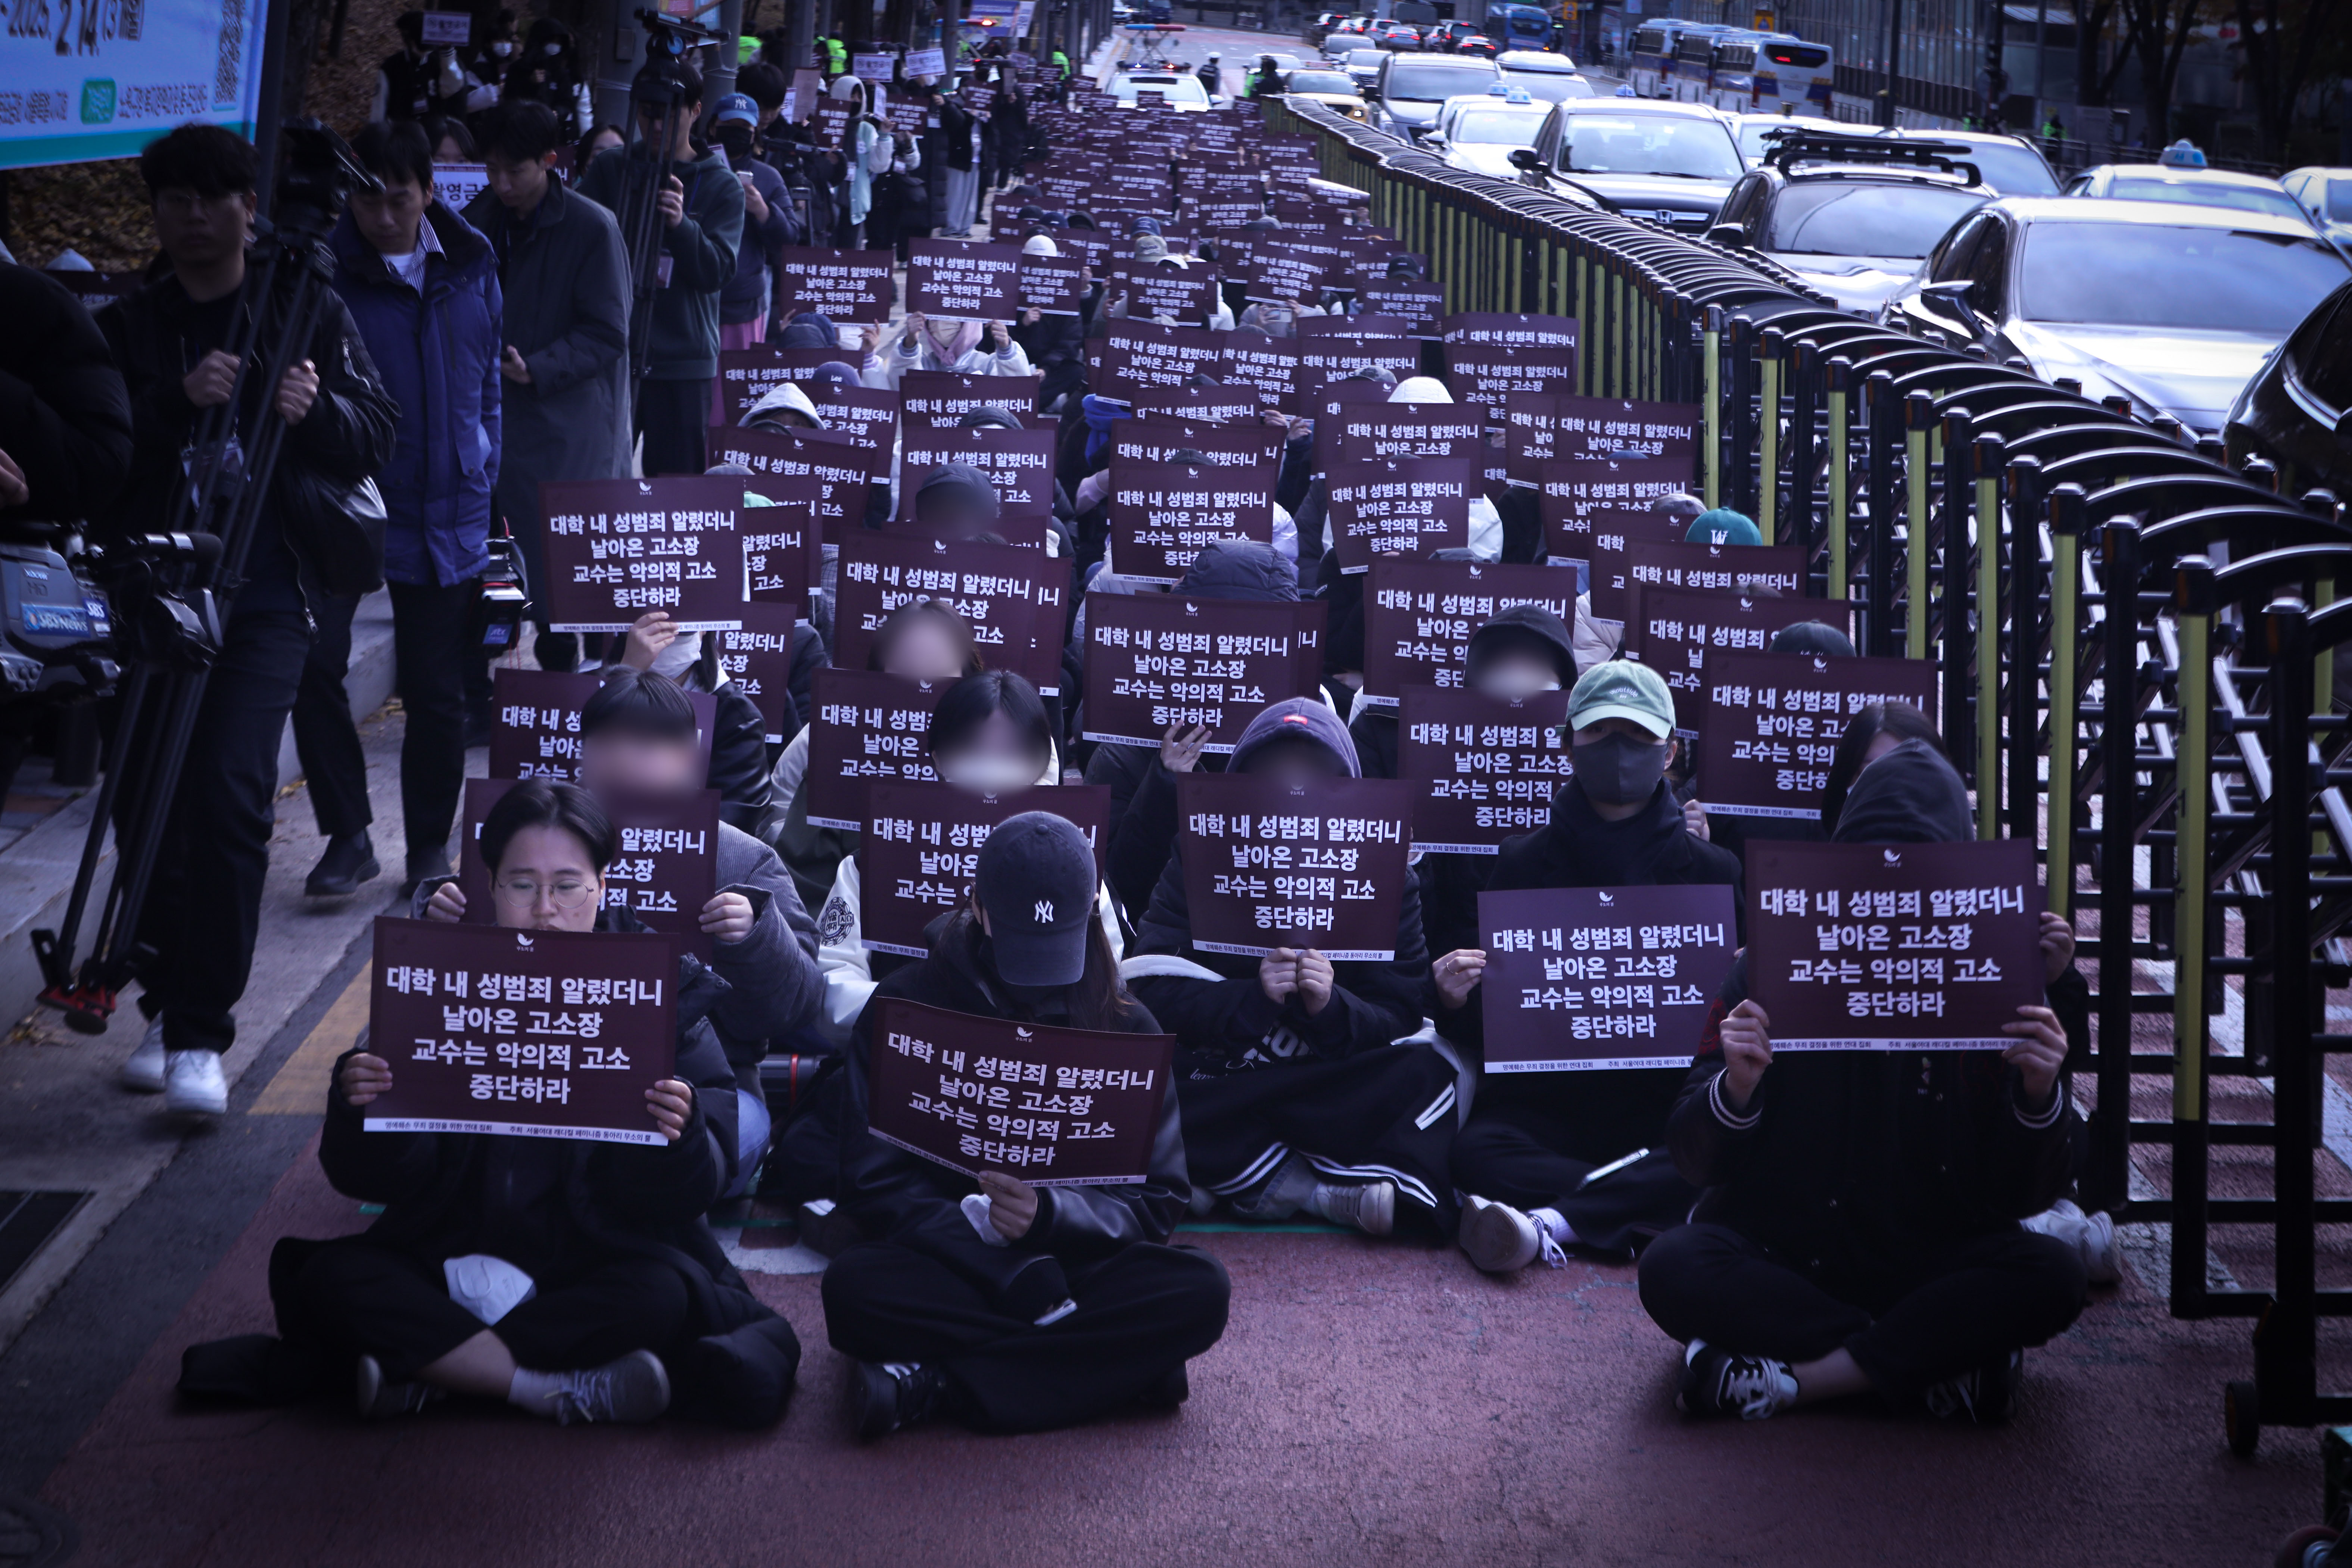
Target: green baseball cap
(1620, 689)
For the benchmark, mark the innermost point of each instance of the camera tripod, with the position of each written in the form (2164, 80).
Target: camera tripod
(646, 167)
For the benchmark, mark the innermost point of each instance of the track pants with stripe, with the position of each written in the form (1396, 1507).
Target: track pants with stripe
(1535, 1138)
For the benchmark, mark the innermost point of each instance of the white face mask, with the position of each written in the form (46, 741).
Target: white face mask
(1512, 683)
(673, 660)
(503, 47)
(551, 50)
(988, 775)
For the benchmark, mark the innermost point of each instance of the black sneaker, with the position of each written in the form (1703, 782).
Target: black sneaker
(1170, 1391)
(349, 861)
(1985, 1394)
(478, 727)
(429, 866)
(1717, 1383)
(884, 1396)
(380, 1398)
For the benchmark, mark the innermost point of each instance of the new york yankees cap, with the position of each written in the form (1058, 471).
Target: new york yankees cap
(1036, 879)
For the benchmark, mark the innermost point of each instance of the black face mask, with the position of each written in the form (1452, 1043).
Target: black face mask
(736, 137)
(1618, 771)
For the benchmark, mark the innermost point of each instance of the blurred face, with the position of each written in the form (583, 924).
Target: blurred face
(639, 765)
(992, 759)
(951, 513)
(1297, 760)
(388, 219)
(925, 651)
(519, 183)
(604, 141)
(547, 882)
(449, 152)
(1515, 674)
(201, 231)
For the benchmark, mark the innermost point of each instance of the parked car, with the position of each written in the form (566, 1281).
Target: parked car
(1670, 163)
(2297, 410)
(1547, 77)
(1182, 90)
(1333, 90)
(1479, 132)
(2325, 195)
(2009, 164)
(1411, 88)
(2199, 187)
(2172, 305)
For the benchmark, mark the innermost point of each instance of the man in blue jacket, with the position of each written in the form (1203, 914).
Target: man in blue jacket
(423, 285)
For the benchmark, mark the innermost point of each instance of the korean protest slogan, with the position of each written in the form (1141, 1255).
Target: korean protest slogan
(1269, 864)
(618, 548)
(1591, 978)
(666, 868)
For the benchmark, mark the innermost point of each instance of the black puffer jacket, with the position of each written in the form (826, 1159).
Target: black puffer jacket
(65, 418)
(1852, 1164)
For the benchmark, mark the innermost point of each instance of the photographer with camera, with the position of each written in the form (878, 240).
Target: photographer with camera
(422, 287)
(700, 224)
(203, 906)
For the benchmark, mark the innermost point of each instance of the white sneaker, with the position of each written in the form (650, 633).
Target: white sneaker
(143, 1073)
(2093, 1237)
(1368, 1206)
(1499, 1239)
(193, 1084)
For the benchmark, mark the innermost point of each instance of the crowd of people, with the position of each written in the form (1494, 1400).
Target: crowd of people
(1893, 1224)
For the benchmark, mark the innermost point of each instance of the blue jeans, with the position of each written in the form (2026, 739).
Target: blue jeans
(753, 1128)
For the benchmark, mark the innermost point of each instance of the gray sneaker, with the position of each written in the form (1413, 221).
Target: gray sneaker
(1499, 1239)
(144, 1072)
(1368, 1206)
(634, 1388)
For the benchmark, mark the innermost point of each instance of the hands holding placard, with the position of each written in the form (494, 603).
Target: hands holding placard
(1012, 1204)
(1458, 974)
(1305, 971)
(364, 1078)
(1180, 748)
(727, 917)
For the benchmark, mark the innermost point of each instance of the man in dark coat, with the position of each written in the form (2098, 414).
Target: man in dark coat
(1859, 1228)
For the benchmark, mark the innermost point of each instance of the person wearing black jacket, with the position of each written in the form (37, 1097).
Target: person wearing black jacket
(1297, 1092)
(1859, 1228)
(1011, 1306)
(203, 905)
(1538, 1159)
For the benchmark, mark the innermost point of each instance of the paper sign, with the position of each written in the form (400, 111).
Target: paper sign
(454, 27)
(1539, 426)
(1156, 437)
(1862, 947)
(967, 280)
(868, 416)
(536, 732)
(817, 481)
(839, 284)
(1052, 285)
(1269, 864)
(927, 62)
(1589, 979)
(1133, 357)
(618, 548)
(1675, 630)
(757, 659)
(1420, 304)
(1773, 569)
(921, 849)
(1773, 721)
(1486, 373)
(932, 399)
(455, 184)
(1270, 367)
(1187, 296)
(1385, 429)
(746, 376)
(1019, 463)
(1155, 660)
(664, 872)
(1325, 359)
(1398, 507)
(1486, 769)
(864, 726)
(534, 1034)
(1163, 515)
(873, 67)
(1507, 330)
(1054, 1107)
(1592, 507)
(1419, 616)
(1017, 600)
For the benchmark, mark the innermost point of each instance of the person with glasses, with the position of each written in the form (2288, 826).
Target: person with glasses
(575, 1280)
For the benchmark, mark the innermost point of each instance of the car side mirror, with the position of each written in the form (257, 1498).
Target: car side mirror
(1954, 293)
(1730, 235)
(1526, 158)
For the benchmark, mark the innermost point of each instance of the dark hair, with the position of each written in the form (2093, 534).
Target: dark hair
(634, 703)
(541, 803)
(688, 79)
(440, 128)
(763, 84)
(520, 130)
(1899, 719)
(410, 26)
(210, 159)
(582, 157)
(980, 696)
(908, 616)
(1098, 1000)
(396, 150)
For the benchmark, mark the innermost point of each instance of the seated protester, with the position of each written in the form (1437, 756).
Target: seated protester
(914, 344)
(1304, 490)
(1054, 344)
(1598, 640)
(1152, 250)
(1859, 1228)
(739, 742)
(1523, 1159)
(1009, 1307)
(989, 734)
(1082, 468)
(1287, 1065)
(922, 641)
(573, 1280)
(996, 416)
(1735, 832)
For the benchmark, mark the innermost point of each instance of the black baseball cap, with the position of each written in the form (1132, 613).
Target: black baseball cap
(1036, 879)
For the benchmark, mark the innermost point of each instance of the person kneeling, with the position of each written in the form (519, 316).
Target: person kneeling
(1009, 1307)
(1858, 1230)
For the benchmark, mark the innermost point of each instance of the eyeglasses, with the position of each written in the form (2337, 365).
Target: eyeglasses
(522, 893)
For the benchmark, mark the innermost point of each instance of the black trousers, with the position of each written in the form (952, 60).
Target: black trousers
(432, 645)
(674, 418)
(203, 906)
(1380, 1113)
(324, 736)
(1142, 1312)
(1946, 1312)
(353, 1298)
(1531, 1156)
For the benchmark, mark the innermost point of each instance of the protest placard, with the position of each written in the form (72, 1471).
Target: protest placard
(1767, 569)
(864, 726)
(867, 415)
(758, 660)
(817, 481)
(1052, 285)
(1485, 767)
(1270, 863)
(1593, 979)
(1381, 507)
(1773, 721)
(967, 280)
(535, 729)
(617, 548)
(932, 399)
(1419, 616)
(1154, 660)
(1418, 303)
(1019, 463)
(664, 871)
(1163, 515)
(1675, 631)
(839, 284)
(746, 376)
(1485, 374)
(1015, 599)
(1540, 427)
(1592, 507)
(921, 847)
(1155, 436)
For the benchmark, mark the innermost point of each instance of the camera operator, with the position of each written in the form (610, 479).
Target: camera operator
(204, 904)
(701, 222)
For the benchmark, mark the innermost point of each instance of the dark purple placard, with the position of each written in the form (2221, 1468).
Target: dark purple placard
(1715, 568)
(921, 847)
(1864, 947)
(1675, 631)
(1157, 437)
(746, 376)
(1269, 864)
(1216, 405)
(1163, 515)
(534, 1034)
(1325, 361)
(1399, 507)
(535, 731)
(817, 481)
(665, 870)
(1153, 660)
(1488, 767)
(929, 399)
(1418, 303)
(1133, 358)
(1054, 285)
(1054, 1107)
(1539, 426)
(967, 280)
(1592, 507)
(1773, 721)
(1019, 463)
(865, 727)
(1016, 599)
(757, 659)
(1419, 616)
(618, 548)
(1594, 979)
(839, 284)
(1340, 326)
(1185, 294)
(1486, 373)
(1331, 404)
(868, 416)
(1268, 366)
(1509, 330)
(1409, 430)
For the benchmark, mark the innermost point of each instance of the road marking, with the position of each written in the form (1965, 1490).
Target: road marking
(300, 1087)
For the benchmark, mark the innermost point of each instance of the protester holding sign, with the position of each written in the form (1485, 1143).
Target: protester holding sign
(1859, 1229)
(573, 1280)
(1297, 1092)
(1544, 1155)
(1003, 1304)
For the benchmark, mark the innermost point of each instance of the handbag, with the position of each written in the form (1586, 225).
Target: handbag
(337, 528)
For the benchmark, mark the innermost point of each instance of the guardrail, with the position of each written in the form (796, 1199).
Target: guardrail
(2134, 653)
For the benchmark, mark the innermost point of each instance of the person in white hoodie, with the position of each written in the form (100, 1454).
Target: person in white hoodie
(916, 342)
(869, 148)
(1486, 523)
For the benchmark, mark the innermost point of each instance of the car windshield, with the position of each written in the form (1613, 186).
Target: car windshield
(2156, 275)
(1502, 127)
(1675, 146)
(1369, 58)
(1753, 130)
(2339, 205)
(2012, 170)
(1550, 86)
(1322, 81)
(2209, 194)
(1843, 217)
(1429, 83)
(1175, 89)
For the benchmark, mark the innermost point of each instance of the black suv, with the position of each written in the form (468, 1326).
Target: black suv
(1648, 158)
